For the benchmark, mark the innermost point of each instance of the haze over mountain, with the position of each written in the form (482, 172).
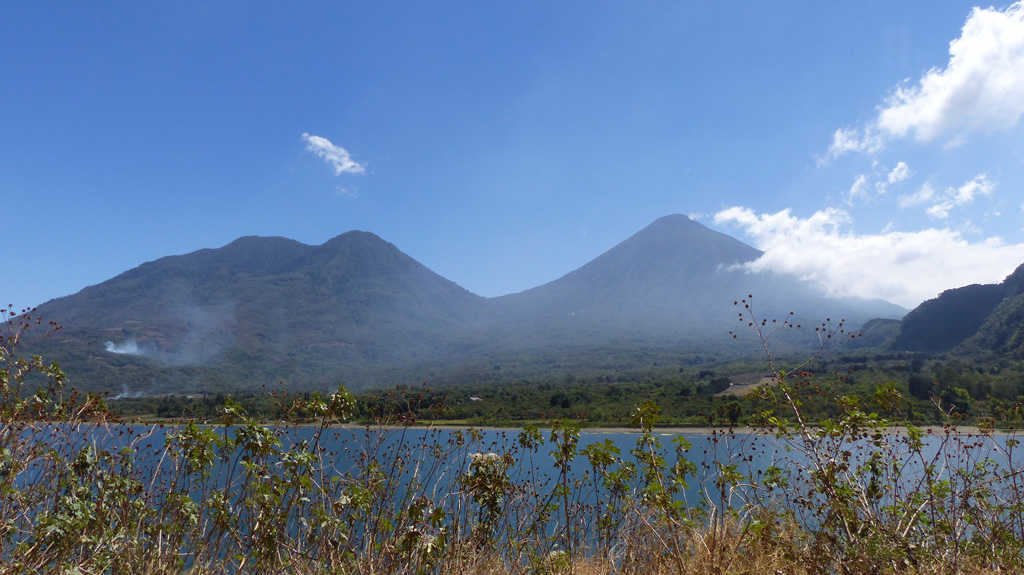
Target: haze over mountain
(356, 309)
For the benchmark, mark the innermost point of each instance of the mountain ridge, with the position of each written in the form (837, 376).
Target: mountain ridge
(356, 308)
(970, 319)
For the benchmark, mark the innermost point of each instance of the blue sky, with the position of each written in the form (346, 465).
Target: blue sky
(873, 147)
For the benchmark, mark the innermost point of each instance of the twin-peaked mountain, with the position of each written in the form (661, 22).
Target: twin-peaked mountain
(356, 309)
(257, 311)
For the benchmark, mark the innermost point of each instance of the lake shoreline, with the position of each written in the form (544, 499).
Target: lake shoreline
(932, 430)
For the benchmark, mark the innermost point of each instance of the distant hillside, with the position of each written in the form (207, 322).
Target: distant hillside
(968, 319)
(259, 311)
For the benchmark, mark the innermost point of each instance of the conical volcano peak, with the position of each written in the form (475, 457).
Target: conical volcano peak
(357, 239)
(668, 269)
(672, 223)
(672, 219)
(680, 241)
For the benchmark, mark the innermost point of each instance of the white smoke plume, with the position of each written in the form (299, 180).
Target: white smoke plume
(126, 392)
(128, 347)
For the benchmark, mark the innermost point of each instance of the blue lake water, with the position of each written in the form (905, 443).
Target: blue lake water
(386, 482)
(436, 458)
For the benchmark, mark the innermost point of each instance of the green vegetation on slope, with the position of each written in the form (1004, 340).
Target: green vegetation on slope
(968, 391)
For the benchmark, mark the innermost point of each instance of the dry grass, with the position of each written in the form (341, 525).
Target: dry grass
(728, 550)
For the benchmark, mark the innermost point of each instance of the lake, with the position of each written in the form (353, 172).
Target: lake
(215, 493)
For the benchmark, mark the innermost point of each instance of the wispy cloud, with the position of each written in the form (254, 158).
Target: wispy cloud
(980, 89)
(859, 189)
(957, 197)
(899, 173)
(902, 267)
(870, 186)
(846, 140)
(921, 196)
(335, 156)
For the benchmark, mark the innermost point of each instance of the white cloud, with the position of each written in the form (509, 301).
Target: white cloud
(335, 156)
(902, 267)
(940, 210)
(957, 197)
(980, 89)
(899, 173)
(968, 227)
(846, 140)
(880, 179)
(859, 189)
(979, 185)
(922, 196)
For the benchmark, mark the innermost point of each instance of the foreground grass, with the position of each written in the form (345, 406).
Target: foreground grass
(83, 495)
